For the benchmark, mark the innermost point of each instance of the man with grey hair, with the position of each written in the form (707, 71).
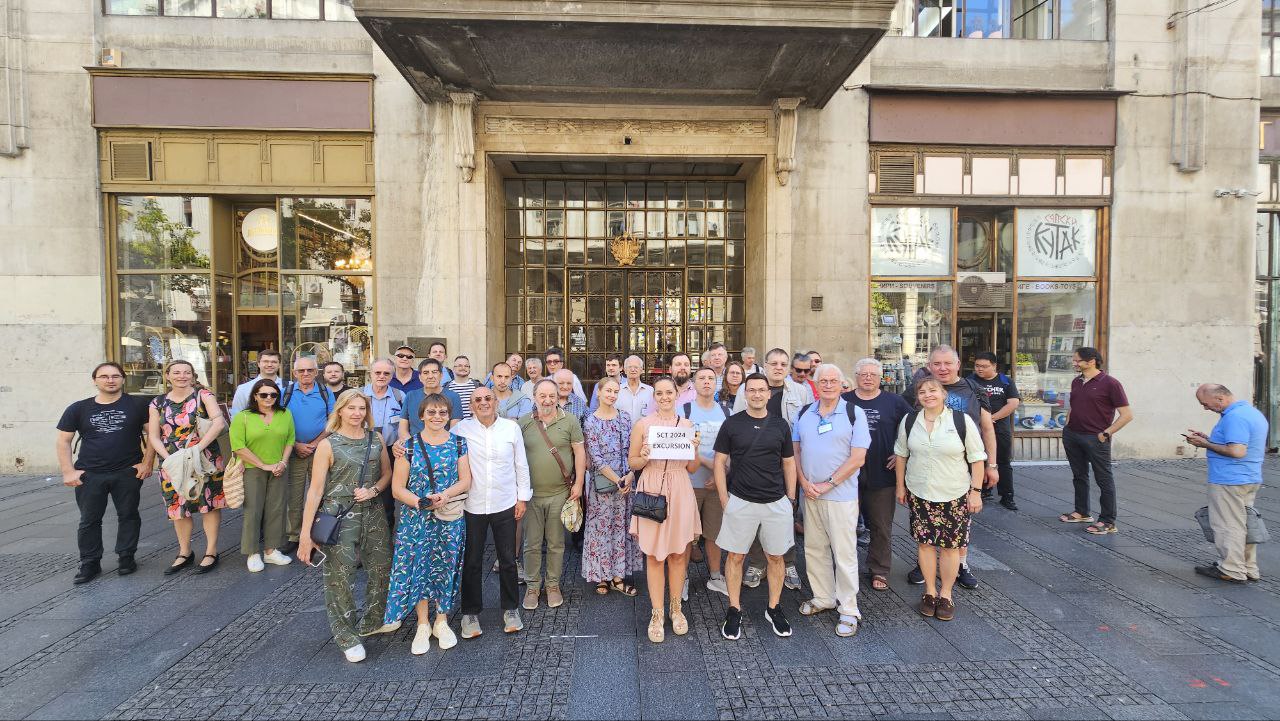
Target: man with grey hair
(534, 368)
(385, 403)
(876, 481)
(965, 396)
(748, 356)
(1234, 450)
(569, 400)
(635, 397)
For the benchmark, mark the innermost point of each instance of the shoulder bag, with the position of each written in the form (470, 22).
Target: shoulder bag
(603, 485)
(452, 510)
(233, 482)
(326, 527)
(652, 506)
(571, 511)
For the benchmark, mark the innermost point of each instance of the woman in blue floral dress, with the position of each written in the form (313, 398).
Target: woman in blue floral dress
(428, 551)
(609, 551)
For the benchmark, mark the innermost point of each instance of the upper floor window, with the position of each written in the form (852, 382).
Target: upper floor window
(1270, 64)
(273, 9)
(1022, 19)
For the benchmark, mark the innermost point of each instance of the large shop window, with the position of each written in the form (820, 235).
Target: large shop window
(1020, 282)
(214, 281)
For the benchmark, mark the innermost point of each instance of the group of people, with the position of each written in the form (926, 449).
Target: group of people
(410, 476)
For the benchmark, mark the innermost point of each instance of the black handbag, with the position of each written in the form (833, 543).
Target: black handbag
(327, 527)
(603, 485)
(652, 506)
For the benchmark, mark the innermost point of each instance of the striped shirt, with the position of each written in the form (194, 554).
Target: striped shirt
(464, 389)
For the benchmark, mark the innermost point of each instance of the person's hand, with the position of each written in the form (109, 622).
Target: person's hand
(279, 468)
(72, 479)
(901, 495)
(810, 489)
(1196, 438)
(576, 491)
(645, 450)
(891, 463)
(520, 508)
(1102, 438)
(305, 545)
(397, 448)
(993, 477)
(365, 494)
(302, 450)
(142, 470)
(697, 440)
(975, 501)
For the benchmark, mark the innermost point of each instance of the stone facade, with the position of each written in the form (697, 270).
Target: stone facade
(1179, 288)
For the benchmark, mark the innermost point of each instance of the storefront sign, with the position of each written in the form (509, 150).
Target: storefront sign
(911, 241)
(261, 230)
(1059, 243)
(666, 443)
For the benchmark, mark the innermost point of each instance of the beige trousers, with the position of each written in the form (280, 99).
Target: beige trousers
(1227, 517)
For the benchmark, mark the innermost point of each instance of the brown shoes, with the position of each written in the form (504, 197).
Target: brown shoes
(531, 599)
(945, 609)
(928, 605)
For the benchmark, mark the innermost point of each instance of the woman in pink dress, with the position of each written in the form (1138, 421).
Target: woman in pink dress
(667, 543)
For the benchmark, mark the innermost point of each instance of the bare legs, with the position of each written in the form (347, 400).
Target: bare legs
(184, 527)
(939, 562)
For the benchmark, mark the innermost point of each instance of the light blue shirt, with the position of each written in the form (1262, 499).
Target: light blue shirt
(708, 422)
(1244, 424)
(386, 411)
(516, 405)
(826, 442)
(310, 410)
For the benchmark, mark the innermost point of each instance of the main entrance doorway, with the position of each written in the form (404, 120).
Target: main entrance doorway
(672, 283)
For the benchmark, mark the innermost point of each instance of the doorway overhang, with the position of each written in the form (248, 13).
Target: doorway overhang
(672, 52)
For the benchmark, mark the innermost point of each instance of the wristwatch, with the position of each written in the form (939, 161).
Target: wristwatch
(993, 465)
(1106, 435)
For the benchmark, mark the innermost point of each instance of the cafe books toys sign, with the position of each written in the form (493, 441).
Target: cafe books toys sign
(1057, 243)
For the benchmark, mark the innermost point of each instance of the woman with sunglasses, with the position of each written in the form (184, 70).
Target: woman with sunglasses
(428, 550)
(262, 436)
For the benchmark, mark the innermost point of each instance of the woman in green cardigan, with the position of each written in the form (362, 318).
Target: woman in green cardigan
(262, 436)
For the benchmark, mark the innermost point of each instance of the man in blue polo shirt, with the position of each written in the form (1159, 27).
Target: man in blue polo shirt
(831, 446)
(1234, 449)
(309, 402)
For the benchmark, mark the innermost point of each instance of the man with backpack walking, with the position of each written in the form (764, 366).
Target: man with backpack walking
(1003, 398)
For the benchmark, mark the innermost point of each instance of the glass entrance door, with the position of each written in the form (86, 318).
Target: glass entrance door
(655, 316)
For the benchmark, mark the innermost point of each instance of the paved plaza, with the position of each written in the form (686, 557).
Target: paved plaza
(1063, 626)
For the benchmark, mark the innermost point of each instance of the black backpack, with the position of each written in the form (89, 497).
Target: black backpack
(688, 408)
(957, 417)
(849, 408)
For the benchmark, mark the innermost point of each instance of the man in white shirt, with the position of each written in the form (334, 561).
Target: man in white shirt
(499, 490)
(268, 367)
(636, 396)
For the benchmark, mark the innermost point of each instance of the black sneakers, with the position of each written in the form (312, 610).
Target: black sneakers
(1007, 502)
(127, 565)
(965, 577)
(777, 621)
(915, 577)
(732, 626)
(88, 572)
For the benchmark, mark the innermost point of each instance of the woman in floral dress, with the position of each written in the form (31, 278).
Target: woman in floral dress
(609, 552)
(428, 551)
(173, 426)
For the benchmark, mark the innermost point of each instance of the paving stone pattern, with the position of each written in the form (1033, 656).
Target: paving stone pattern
(1063, 625)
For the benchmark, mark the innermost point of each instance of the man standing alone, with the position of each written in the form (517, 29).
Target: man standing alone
(112, 463)
(1235, 448)
(1099, 409)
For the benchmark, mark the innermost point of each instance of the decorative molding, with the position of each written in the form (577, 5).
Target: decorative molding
(740, 127)
(463, 108)
(784, 113)
(14, 133)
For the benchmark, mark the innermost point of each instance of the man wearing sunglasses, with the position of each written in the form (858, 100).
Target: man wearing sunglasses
(405, 378)
(802, 372)
(112, 464)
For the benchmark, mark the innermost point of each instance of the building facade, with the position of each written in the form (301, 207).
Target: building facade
(203, 179)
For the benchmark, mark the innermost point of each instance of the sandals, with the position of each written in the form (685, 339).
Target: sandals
(1074, 517)
(809, 608)
(1101, 528)
(620, 586)
(205, 569)
(879, 583)
(186, 561)
(602, 589)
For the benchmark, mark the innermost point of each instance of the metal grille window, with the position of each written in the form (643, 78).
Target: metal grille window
(604, 267)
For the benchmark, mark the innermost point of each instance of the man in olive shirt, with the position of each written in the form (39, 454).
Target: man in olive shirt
(557, 456)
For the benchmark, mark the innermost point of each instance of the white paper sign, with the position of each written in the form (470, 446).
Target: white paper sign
(911, 241)
(1057, 243)
(667, 443)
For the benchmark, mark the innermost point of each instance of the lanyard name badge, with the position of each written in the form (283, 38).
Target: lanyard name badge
(824, 424)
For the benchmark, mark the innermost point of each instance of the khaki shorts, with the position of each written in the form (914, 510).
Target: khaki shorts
(711, 512)
(744, 520)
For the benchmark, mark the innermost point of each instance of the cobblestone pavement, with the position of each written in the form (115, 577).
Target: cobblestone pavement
(1063, 625)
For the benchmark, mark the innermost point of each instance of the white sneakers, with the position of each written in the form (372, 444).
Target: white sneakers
(444, 634)
(684, 593)
(471, 626)
(717, 584)
(385, 628)
(276, 558)
(355, 654)
(421, 640)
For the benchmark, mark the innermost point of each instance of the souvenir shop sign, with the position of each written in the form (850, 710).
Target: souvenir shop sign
(911, 241)
(1057, 243)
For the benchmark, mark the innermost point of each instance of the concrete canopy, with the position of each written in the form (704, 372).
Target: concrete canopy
(674, 52)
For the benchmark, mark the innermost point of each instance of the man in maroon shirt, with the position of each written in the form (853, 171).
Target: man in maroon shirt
(1098, 410)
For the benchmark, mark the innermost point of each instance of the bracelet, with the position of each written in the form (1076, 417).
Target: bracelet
(975, 490)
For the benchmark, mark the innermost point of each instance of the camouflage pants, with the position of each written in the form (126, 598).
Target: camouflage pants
(367, 534)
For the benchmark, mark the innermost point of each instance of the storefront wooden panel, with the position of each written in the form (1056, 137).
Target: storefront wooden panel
(343, 164)
(239, 163)
(292, 163)
(185, 161)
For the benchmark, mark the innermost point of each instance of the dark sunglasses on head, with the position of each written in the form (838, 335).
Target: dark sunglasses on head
(265, 396)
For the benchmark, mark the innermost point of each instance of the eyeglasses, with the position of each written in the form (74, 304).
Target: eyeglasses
(266, 396)
(436, 413)
(116, 377)
(406, 356)
(304, 370)
(829, 382)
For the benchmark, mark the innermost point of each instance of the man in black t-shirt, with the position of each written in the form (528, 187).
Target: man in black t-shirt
(112, 463)
(1003, 398)
(755, 475)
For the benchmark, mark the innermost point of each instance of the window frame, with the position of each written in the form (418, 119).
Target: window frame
(213, 12)
(958, 10)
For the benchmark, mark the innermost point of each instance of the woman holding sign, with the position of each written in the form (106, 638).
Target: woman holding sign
(662, 452)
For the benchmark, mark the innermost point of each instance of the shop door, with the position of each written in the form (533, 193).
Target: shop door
(654, 319)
